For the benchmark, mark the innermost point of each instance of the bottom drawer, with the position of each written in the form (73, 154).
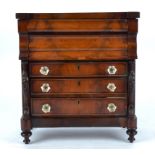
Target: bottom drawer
(78, 107)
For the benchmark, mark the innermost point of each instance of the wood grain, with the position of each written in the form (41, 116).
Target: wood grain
(76, 42)
(79, 106)
(78, 69)
(79, 85)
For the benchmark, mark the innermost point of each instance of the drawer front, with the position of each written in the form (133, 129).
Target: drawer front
(97, 85)
(73, 25)
(77, 42)
(80, 69)
(46, 55)
(82, 106)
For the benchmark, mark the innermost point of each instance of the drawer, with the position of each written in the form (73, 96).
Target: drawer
(81, 85)
(79, 69)
(77, 42)
(80, 25)
(99, 55)
(79, 47)
(81, 106)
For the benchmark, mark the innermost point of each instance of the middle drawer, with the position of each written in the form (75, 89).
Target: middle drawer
(80, 85)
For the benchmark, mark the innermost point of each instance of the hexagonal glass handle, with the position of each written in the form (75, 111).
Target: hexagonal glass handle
(111, 107)
(111, 87)
(44, 70)
(46, 108)
(112, 70)
(45, 87)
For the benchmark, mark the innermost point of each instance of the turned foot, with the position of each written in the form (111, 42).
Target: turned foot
(131, 133)
(26, 135)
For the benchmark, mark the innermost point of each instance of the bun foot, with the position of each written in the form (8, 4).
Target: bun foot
(26, 135)
(131, 133)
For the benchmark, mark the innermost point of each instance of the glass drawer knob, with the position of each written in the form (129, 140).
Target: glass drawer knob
(44, 70)
(45, 87)
(46, 108)
(111, 107)
(112, 70)
(111, 87)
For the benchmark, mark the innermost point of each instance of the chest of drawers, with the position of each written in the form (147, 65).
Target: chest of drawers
(78, 70)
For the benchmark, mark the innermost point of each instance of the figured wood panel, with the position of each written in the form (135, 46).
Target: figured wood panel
(72, 25)
(78, 55)
(73, 106)
(78, 69)
(77, 42)
(94, 85)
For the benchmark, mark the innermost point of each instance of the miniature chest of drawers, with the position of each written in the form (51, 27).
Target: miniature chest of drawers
(78, 70)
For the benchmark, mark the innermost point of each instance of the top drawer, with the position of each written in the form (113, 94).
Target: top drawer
(78, 69)
(74, 25)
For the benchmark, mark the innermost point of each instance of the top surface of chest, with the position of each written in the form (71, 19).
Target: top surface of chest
(77, 36)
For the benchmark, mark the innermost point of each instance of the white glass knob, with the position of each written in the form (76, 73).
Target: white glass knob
(45, 87)
(111, 107)
(111, 87)
(112, 70)
(46, 108)
(44, 70)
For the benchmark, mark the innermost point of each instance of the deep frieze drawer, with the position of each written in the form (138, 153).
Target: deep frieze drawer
(77, 42)
(78, 55)
(78, 69)
(73, 25)
(77, 107)
(58, 86)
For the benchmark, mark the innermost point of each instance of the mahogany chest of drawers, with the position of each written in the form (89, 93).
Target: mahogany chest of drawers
(78, 70)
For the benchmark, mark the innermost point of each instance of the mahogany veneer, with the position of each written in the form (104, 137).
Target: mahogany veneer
(78, 70)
